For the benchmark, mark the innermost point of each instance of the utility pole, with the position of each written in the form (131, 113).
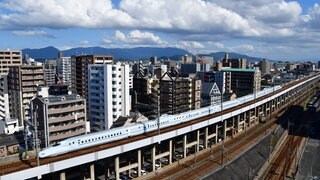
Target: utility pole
(36, 133)
(26, 140)
(222, 149)
(158, 113)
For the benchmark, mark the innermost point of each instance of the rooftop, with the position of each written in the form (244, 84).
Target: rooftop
(8, 140)
(238, 69)
(53, 99)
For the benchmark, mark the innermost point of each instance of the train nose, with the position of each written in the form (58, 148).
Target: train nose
(42, 154)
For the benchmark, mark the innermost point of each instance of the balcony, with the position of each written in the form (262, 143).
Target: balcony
(66, 109)
(66, 118)
(66, 127)
(66, 135)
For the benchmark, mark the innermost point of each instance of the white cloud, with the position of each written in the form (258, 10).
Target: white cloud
(193, 16)
(313, 17)
(84, 42)
(266, 11)
(32, 33)
(216, 45)
(242, 48)
(63, 14)
(191, 46)
(106, 41)
(139, 38)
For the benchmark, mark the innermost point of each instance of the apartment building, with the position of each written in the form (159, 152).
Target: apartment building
(79, 71)
(9, 59)
(109, 96)
(59, 118)
(50, 72)
(146, 89)
(23, 82)
(64, 70)
(179, 94)
(244, 81)
(222, 80)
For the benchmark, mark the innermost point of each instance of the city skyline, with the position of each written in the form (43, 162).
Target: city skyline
(273, 29)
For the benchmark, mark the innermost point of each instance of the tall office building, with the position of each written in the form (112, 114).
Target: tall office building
(50, 72)
(108, 92)
(244, 81)
(153, 60)
(265, 67)
(23, 82)
(190, 68)
(64, 70)
(59, 118)
(178, 94)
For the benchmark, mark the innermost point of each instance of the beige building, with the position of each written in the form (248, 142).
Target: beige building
(9, 59)
(23, 82)
(179, 94)
(59, 118)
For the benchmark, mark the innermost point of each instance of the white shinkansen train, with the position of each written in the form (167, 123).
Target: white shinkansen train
(94, 139)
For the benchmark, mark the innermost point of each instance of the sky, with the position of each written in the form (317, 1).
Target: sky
(273, 29)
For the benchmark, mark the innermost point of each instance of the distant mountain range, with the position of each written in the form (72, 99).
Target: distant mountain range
(221, 55)
(119, 53)
(127, 53)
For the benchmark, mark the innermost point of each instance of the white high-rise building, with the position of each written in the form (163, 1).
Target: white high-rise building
(4, 97)
(108, 91)
(64, 70)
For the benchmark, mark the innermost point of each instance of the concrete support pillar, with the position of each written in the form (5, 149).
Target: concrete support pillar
(225, 129)
(249, 118)
(233, 124)
(62, 176)
(153, 157)
(170, 151)
(92, 175)
(184, 146)
(217, 128)
(238, 123)
(139, 163)
(245, 122)
(198, 140)
(205, 137)
(117, 168)
(245, 117)
(107, 170)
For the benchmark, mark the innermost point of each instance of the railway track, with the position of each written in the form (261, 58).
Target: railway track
(283, 165)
